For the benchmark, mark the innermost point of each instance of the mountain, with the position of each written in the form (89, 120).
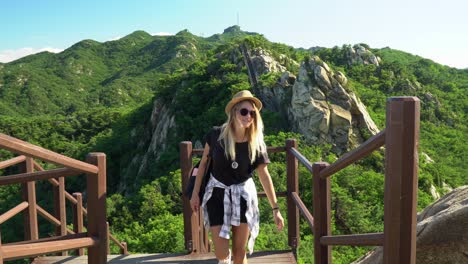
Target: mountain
(91, 74)
(138, 97)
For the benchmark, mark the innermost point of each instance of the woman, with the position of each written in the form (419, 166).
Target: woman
(230, 200)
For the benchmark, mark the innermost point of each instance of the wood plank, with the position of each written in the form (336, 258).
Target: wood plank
(49, 239)
(36, 176)
(360, 152)
(292, 186)
(96, 195)
(322, 214)
(31, 197)
(11, 252)
(77, 215)
(303, 209)
(13, 211)
(264, 257)
(22, 147)
(11, 162)
(401, 180)
(304, 161)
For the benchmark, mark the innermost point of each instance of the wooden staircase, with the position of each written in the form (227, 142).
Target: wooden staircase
(401, 140)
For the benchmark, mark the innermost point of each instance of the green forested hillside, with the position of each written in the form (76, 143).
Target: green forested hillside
(100, 97)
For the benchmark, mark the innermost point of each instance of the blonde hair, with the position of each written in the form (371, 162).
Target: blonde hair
(254, 134)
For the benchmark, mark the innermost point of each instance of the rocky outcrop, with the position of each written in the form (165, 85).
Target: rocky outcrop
(407, 86)
(359, 54)
(316, 101)
(260, 62)
(264, 63)
(324, 111)
(151, 146)
(442, 232)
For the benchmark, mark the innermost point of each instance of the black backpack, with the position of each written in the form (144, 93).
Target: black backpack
(193, 177)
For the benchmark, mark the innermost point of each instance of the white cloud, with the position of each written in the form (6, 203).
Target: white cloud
(162, 34)
(11, 55)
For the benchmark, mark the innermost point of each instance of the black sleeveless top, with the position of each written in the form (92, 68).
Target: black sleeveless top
(223, 170)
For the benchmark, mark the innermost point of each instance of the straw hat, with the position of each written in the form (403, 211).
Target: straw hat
(242, 96)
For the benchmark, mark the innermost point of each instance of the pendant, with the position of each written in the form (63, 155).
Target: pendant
(234, 165)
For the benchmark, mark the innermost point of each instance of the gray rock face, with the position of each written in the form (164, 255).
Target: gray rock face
(442, 232)
(323, 111)
(263, 62)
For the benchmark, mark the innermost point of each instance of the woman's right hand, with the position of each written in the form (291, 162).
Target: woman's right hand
(195, 202)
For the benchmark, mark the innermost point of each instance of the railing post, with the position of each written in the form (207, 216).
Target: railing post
(322, 204)
(292, 186)
(96, 205)
(60, 209)
(78, 218)
(185, 166)
(108, 239)
(401, 180)
(31, 231)
(124, 250)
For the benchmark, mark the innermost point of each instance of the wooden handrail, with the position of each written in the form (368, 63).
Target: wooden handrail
(13, 211)
(372, 239)
(11, 252)
(35, 176)
(302, 159)
(303, 209)
(360, 152)
(11, 162)
(18, 146)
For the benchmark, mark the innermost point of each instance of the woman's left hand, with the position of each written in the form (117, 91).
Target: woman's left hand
(279, 221)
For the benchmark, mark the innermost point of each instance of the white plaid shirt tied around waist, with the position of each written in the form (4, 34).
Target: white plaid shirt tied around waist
(232, 208)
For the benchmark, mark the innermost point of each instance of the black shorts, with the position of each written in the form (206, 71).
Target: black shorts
(215, 207)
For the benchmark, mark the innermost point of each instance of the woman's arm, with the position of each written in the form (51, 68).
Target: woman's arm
(267, 184)
(269, 189)
(195, 200)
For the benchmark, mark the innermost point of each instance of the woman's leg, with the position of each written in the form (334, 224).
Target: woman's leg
(221, 245)
(240, 235)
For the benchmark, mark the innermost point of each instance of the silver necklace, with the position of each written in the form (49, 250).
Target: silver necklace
(234, 165)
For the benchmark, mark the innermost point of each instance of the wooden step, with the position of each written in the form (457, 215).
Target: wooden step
(264, 257)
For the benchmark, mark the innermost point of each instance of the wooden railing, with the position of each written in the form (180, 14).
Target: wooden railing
(401, 139)
(97, 236)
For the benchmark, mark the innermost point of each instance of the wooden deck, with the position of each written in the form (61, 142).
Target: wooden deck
(270, 257)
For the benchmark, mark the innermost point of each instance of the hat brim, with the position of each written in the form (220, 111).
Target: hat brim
(234, 101)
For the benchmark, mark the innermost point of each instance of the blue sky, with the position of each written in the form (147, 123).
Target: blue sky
(437, 30)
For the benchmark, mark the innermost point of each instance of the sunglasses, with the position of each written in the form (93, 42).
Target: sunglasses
(245, 111)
